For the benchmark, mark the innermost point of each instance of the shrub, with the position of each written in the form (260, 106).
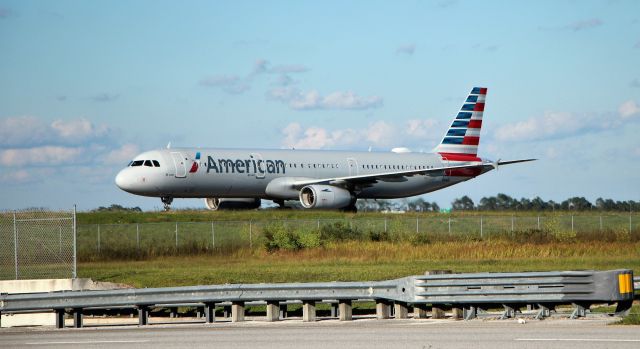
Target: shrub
(338, 232)
(278, 237)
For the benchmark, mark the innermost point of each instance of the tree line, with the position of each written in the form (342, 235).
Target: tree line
(501, 202)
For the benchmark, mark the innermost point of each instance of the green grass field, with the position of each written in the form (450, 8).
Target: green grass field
(353, 260)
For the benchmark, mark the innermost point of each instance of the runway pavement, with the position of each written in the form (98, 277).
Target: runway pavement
(363, 333)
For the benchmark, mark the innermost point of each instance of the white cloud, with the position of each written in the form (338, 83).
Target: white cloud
(41, 156)
(299, 100)
(122, 155)
(26, 131)
(378, 134)
(407, 49)
(629, 109)
(565, 124)
(585, 24)
(228, 83)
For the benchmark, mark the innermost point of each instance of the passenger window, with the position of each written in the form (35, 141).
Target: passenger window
(137, 163)
(156, 163)
(148, 163)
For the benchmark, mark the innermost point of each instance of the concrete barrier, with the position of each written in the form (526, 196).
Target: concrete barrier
(46, 285)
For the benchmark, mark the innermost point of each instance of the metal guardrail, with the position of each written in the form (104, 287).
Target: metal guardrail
(469, 292)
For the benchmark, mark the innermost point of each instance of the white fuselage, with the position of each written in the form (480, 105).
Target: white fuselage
(246, 173)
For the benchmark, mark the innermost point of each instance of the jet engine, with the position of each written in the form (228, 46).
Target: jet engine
(215, 204)
(324, 196)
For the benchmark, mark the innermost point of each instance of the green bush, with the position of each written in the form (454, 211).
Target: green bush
(278, 237)
(338, 232)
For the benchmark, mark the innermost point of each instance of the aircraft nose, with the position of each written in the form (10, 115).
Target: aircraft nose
(123, 180)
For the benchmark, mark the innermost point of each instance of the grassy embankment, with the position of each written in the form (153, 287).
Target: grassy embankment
(357, 258)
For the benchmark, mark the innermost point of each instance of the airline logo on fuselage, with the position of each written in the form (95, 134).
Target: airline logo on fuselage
(249, 166)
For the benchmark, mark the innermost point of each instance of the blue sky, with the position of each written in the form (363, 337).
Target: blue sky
(85, 85)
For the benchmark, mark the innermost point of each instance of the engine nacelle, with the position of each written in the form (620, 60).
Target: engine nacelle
(215, 204)
(324, 196)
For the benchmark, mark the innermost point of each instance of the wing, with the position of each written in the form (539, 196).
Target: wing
(399, 176)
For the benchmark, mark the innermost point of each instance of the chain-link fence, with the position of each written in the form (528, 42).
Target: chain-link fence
(37, 244)
(222, 237)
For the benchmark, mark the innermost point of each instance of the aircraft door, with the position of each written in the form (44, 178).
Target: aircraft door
(352, 164)
(179, 162)
(261, 166)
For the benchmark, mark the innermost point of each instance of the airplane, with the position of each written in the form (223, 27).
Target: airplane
(318, 179)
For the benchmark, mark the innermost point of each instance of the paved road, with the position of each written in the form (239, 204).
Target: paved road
(364, 333)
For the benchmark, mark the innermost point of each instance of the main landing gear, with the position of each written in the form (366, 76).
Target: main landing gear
(167, 200)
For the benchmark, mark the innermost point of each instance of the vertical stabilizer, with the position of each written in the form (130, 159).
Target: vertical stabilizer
(463, 136)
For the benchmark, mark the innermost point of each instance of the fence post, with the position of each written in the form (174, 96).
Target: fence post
(538, 222)
(572, 223)
(176, 236)
(213, 237)
(481, 227)
(138, 237)
(601, 224)
(449, 225)
(385, 224)
(318, 224)
(98, 238)
(60, 241)
(417, 225)
(512, 222)
(75, 245)
(15, 243)
(251, 233)
(629, 222)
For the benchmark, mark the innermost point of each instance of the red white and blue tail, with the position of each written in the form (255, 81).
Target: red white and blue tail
(463, 136)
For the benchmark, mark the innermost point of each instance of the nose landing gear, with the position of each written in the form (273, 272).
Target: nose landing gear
(167, 200)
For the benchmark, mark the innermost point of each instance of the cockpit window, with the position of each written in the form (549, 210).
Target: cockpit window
(137, 163)
(130, 162)
(148, 163)
(156, 163)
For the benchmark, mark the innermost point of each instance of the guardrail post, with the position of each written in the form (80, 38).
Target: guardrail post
(456, 313)
(210, 312)
(237, 311)
(345, 310)
(226, 311)
(470, 312)
(308, 311)
(509, 312)
(437, 311)
(420, 311)
(401, 310)
(143, 315)
(580, 310)
(383, 310)
(273, 311)
(173, 312)
(60, 318)
(77, 318)
(543, 312)
(284, 313)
